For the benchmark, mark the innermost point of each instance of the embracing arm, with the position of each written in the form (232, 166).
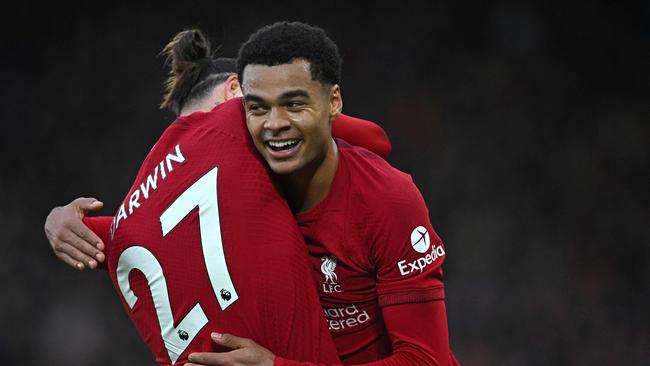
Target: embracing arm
(100, 225)
(360, 132)
(70, 239)
(409, 287)
(418, 334)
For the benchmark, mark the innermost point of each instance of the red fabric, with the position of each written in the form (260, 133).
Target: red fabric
(375, 256)
(362, 133)
(264, 251)
(418, 333)
(415, 323)
(101, 226)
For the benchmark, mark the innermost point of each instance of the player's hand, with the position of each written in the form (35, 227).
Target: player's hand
(244, 352)
(71, 240)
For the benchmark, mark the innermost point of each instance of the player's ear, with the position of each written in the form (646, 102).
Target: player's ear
(233, 88)
(336, 102)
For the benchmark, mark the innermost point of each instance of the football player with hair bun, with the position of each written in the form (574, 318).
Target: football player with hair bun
(197, 82)
(203, 240)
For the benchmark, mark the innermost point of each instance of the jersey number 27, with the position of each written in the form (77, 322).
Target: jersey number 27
(202, 193)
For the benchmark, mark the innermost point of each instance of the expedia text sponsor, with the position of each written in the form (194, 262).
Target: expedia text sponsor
(421, 263)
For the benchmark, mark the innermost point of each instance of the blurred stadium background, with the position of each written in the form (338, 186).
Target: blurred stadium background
(525, 124)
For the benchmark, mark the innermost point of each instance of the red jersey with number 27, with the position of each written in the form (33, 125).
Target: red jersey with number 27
(204, 242)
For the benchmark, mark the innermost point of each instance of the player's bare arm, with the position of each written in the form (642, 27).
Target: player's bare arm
(72, 241)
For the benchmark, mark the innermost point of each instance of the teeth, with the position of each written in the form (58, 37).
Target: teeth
(281, 144)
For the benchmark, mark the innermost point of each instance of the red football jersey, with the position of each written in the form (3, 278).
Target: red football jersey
(372, 246)
(204, 242)
(360, 132)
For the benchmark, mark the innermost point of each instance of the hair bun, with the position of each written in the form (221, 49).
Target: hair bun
(187, 47)
(184, 54)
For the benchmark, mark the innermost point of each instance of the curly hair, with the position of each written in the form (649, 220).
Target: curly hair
(282, 42)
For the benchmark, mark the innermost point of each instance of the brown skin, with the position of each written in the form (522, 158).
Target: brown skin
(71, 241)
(283, 103)
(220, 93)
(244, 352)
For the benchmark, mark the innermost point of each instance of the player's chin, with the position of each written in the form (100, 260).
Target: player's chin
(283, 167)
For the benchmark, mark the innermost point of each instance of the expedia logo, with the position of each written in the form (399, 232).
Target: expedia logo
(420, 243)
(327, 267)
(420, 239)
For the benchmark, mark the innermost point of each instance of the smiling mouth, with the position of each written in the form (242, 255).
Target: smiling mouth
(284, 145)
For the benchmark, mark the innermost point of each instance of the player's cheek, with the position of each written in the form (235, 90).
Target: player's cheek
(254, 126)
(255, 134)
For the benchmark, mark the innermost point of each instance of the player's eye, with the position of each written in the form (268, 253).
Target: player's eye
(294, 104)
(256, 108)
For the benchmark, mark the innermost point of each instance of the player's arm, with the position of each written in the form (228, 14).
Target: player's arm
(72, 241)
(418, 333)
(408, 255)
(101, 226)
(411, 297)
(362, 133)
(412, 300)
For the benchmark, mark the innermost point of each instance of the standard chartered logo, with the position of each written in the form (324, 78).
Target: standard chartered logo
(347, 317)
(420, 243)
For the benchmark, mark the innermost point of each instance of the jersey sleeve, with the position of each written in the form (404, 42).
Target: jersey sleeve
(406, 251)
(101, 226)
(418, 334)
(362, 133)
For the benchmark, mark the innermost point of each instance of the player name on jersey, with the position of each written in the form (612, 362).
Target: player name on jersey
(148, 186)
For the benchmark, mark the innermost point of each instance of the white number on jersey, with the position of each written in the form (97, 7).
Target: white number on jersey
(202, 193)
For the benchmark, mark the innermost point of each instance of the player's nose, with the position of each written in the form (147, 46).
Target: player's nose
(277, 121)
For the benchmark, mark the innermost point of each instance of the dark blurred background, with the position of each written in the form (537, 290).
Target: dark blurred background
(526, 126)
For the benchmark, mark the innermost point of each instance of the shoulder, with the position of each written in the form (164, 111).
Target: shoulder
(382, 188)
(388, 210)
(360, 132)
(227, 118)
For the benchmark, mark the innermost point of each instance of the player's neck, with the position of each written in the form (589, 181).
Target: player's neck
(189, 110)
(201, 105)
(310, 185)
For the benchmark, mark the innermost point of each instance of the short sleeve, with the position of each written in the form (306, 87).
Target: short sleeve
(407, 252)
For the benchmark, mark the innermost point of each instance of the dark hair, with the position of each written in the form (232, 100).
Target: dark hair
(192, 70)
(282, 42)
